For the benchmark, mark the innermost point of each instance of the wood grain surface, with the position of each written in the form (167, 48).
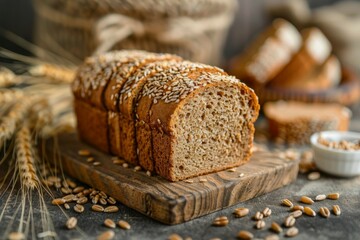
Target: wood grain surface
(173, 202)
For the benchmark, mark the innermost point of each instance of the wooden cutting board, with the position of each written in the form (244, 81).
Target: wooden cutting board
(174, 202)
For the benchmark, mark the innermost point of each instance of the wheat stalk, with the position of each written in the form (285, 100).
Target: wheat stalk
(24, 113)
(25, 157)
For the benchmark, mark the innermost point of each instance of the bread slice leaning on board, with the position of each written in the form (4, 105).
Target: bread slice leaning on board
(176, 118)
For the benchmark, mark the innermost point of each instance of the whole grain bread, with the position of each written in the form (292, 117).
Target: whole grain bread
(180, 119)
(295, 122)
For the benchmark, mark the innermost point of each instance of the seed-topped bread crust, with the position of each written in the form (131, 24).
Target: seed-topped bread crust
(178, 118)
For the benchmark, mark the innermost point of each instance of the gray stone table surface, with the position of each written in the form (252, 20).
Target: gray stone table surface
(345, 226)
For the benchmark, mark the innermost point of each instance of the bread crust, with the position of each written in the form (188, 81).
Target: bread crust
(92, 125)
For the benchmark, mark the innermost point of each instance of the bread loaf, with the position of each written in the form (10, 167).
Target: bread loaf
(295, 122)
(314, 51)
(268, 54)
(177, 118)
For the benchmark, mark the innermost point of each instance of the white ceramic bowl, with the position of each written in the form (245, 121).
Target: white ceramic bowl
(341, 163)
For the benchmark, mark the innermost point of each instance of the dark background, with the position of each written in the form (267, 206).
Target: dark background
(17, 16)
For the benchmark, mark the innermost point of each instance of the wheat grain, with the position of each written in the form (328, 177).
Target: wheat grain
(16, 236)
(25, 158)
(324, 212)
(221, 221)
(109, 223)
(336, 210)
(333, 196)
(111, 209)
(106, 235)
(245, 235)
(276, 227)
(71, 223)
(124, 225)
(292, 232)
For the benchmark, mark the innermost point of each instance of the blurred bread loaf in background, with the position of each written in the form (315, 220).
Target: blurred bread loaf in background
(340, 22)
(306, 70)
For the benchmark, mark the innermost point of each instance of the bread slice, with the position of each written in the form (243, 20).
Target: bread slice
(268, 54)
(162, 75)
(207, 128)
(295, 122)
(112, 95)
(88, 87)
(314, 51)
(92, 132)
(127, 103)
(323, 77)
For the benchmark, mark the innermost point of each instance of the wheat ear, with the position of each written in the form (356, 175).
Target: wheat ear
(53, 72)
(16, 114)
(40, 114)
(25, 157)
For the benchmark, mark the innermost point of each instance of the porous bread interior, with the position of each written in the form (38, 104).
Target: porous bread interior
(214, 131)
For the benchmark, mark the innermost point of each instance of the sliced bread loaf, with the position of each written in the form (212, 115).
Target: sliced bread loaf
(179, 118)
(295, 122)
